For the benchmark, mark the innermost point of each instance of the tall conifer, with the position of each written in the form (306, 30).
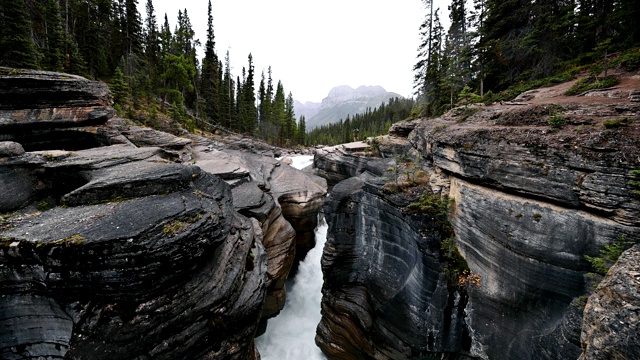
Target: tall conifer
(18, 49)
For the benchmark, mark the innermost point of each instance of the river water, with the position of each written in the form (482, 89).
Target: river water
(290, 335)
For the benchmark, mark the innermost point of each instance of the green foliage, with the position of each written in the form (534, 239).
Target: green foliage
(173, 228)
(591, 83)
(635, 183)
(467, 96)
(431, 204)
(609, 255)
(44, 205)
(18, 49)
(629, 60)
(119, 88)
(616, 123)
(555, 120)
(371, 123)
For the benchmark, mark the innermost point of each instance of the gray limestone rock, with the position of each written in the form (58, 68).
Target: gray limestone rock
(10, 148)
(612, 315)
(530, 201)
(147, 259)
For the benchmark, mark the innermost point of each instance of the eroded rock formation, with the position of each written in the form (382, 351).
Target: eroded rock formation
(121, 242)
(530, 201)
(143, 258)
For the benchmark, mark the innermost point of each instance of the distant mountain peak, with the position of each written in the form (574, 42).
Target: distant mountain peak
(342, 101)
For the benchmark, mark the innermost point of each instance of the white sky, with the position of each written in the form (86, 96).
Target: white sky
(312, 46)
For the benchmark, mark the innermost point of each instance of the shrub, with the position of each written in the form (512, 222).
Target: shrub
(431, 204)
(591, 83)
(44, 206)
(556, 121)
(630, 60)
(635, 183)
(609, 255)
(612, 124)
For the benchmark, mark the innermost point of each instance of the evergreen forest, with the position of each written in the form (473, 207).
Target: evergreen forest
(150, 68)
(496, 49)
(492, 51)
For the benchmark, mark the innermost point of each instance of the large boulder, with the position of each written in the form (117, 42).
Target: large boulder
(113, 251)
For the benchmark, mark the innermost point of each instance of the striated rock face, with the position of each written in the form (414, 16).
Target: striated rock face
(40, 108)
(111, 247)
(336, 164)
(530, 201)
(612, 314)
(145, 259)
(386, 294)
(285, 201)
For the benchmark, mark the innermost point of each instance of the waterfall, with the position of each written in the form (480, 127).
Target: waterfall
(291, 334)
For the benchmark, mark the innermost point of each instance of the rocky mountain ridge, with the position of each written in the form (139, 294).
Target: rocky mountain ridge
(342, 101)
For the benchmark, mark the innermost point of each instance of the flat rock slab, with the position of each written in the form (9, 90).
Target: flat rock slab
(355, 146)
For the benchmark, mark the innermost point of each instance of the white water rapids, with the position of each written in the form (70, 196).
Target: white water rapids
(291, 334)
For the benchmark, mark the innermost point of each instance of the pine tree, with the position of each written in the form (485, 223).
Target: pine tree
(151, 50)
(278, 111)
(209, 82)
(458, 51)
(53, 58)
(302, 131)
(289, 120)
(227, 96)
(264, 105)
(250, 113)
(476, 21)
(18, 49)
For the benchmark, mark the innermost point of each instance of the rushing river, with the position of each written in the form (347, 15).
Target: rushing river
(290, 335)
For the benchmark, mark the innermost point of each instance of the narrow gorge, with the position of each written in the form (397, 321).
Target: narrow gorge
(527, 202)
(461, 237)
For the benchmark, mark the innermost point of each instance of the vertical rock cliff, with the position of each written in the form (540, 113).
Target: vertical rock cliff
(529, 202)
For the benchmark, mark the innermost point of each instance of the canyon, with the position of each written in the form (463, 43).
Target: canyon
(460, 237)
(119, 241)
(528, 202)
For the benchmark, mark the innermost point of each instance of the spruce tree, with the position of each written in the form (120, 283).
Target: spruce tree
(250, 112)
(151, 50)
(279, 114)
(53, 58)
(210, 86)
(18, 49)
(227, 96)
(263, 109)
(289, 120)
(302, 131)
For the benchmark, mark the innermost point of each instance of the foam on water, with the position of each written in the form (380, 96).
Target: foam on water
(290, 335)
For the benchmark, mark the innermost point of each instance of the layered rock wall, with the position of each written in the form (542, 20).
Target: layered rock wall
(121, 242)
(530, 201)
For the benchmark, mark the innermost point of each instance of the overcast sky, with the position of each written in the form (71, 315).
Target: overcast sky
(312, 46)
